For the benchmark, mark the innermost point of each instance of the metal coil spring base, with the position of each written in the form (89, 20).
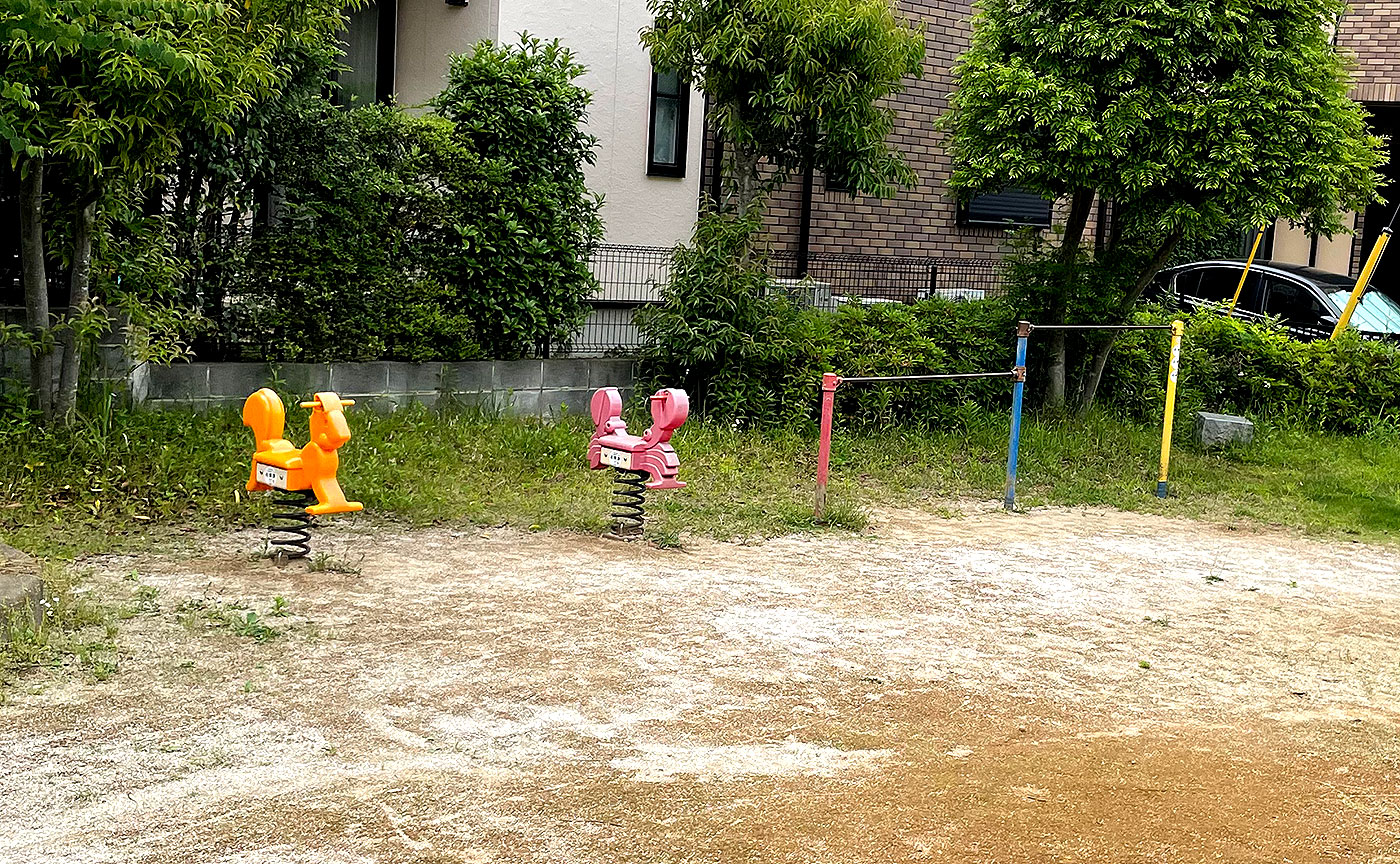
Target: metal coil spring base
(629, 498)
(292, 520)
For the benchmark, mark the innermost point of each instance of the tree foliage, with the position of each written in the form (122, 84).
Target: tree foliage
(96, 95)
(795, 81)
(463, 234)
(1190, 117)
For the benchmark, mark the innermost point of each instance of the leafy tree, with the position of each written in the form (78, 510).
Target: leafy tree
(796, 82)
(462, 234)
(97, 93)
(1190, 117)
(516, 223)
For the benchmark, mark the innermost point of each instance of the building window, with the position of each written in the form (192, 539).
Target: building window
(670, 110)
(1013, 207)
(368, 45)
(834, 182)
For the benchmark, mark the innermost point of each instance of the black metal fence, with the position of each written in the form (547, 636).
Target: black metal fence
(630, 277)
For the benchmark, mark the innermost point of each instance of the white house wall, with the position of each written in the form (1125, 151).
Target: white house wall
(638, 210)
(430, 31)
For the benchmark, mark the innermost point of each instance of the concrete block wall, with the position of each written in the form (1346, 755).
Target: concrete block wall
(533, 388)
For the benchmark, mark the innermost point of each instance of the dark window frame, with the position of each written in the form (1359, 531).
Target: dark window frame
(682, 98)
(967, 217)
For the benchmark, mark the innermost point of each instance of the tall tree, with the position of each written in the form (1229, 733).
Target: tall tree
(97, 92)
(800, 83)
(1190, 117)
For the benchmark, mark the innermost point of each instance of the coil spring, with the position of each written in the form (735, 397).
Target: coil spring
(291, 520)
(629, 497)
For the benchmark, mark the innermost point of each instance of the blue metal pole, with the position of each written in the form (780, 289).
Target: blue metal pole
(1023, 336)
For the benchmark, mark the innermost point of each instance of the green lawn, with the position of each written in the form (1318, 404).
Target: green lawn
(131, 482)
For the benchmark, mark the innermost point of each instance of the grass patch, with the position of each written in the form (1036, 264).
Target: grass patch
(150, 472)
(71, 630)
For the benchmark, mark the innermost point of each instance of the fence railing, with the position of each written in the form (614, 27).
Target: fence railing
(632, 276)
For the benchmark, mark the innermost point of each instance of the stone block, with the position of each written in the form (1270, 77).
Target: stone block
(360, 379)
(237, 380)
(518, 375)
(471, 376)
(522, 403)
(305, 379)
(421, 377)
(555, 404)
(179, 382)
(1218, 430)
(21, 588)
(566, 374)
(611, 373)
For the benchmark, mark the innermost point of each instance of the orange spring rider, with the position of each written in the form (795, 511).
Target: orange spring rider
(298, 476)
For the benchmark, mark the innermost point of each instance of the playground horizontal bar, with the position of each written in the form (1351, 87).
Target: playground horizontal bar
(876, 379)
(1101, 326)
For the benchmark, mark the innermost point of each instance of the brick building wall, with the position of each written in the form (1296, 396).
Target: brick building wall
(1370, 30)
(923, 221)
(917, 222)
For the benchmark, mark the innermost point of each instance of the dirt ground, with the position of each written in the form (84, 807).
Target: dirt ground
(1064, 685)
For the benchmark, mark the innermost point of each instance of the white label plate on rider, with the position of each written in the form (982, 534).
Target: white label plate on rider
(616, 458)
(271, 475)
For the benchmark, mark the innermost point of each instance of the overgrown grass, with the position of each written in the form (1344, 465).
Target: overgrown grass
(151, 472)
(68, 629)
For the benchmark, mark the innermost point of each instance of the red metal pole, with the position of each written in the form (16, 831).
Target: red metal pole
(830, 381)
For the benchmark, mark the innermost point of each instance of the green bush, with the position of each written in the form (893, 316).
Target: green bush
(461, 235)
(748, 355)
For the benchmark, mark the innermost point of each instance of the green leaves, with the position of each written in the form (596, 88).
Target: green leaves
(455, 236)
(797, 79)
(1240, 108)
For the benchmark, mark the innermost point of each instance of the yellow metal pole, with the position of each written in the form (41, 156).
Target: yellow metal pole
(1362, 282)
(1239, 289)
(1178, 330)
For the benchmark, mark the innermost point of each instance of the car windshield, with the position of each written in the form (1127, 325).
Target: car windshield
(1376, 312)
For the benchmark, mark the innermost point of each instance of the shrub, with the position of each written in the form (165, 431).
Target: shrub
(750, 357)
(461, 235)
(1350, 385)
(747, 355)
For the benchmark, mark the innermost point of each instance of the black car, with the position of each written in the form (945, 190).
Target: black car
(1307, 301)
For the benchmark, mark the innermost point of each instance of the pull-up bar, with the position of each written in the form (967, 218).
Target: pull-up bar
(1017, 375)
(1101, 327)
(956, 376)
(831, 381)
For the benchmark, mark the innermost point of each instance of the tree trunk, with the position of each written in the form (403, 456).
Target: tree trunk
(1090, 391)
(79, 297)
(746, 179)
(36, 284)
(1081, 204)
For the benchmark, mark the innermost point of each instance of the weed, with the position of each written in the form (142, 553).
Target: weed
(143, 602)
(69, 627)
(324, 562)
(279, 607)
(1293, 583)
(1143, 664)
(250, 625)
(665, 538)
(234, 617)
(1160, 622)
(1211, 578)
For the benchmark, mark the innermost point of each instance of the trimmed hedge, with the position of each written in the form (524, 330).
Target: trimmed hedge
(751, 357)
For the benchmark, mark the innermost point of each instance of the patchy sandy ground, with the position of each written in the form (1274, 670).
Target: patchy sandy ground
(971, 690)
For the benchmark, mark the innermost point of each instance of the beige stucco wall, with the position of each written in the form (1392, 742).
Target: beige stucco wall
(1293, 245)
(637, 210)
(430, 31)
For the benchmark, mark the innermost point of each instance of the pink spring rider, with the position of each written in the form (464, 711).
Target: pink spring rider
(640, 462)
